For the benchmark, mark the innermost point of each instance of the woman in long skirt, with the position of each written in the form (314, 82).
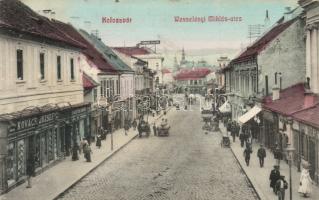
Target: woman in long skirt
(305, 183)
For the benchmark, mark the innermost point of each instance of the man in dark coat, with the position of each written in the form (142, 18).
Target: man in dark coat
(134, 124)
(242, 139)
(154, 129)
(247, 153)
(233, 131)
(98, 141)
(30, 170)
(237, 129)
(261, 153)
(274, 176)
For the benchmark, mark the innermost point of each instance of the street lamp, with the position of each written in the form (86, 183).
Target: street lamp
(290, 150)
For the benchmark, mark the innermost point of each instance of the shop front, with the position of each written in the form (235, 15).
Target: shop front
(74, 125)
(28, 135)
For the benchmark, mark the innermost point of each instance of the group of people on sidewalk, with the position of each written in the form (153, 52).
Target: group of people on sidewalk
(277, 181)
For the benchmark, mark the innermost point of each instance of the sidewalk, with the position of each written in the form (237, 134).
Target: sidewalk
(259, 177)
(62, 176)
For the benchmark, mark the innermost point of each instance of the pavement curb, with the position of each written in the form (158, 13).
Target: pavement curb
(248, 179)
(103, 161)
(243, 170)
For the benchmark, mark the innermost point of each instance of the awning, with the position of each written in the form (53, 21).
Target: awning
(225, 107)
(248, 115)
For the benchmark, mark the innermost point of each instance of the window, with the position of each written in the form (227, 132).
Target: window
(58, 67)
(117, 87)
(157, 66)
(104, 88)
(94, 95)
(20, 64)
(72, 69)
(42, 71)
(108, 88)
(113, 88)
(101, 89)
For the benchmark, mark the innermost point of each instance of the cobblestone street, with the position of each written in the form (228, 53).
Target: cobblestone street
(186, 165)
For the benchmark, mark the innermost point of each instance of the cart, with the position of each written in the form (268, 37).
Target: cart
(225, 142)
(163, 129)
(207, 116)
(143, 127)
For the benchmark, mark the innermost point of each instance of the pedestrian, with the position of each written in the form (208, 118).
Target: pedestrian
(247, 153)
(233, 131)
(134, 124)
(305, 182)
(154, 129)
(228, 126)
(98, 141)
(126, 127)
(242, 139)
(30, 170)
(277, 155)
(261, 153)
(87, 152)
(281, 186)
(237, 129)
(75, 149)
(274, 176)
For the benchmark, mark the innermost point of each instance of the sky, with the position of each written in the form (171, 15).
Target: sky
(154, 20)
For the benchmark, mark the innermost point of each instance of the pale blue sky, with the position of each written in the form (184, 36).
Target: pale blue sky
(154, 19)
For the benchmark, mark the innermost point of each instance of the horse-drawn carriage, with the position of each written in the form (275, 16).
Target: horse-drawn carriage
(207, 116)
(143, 127)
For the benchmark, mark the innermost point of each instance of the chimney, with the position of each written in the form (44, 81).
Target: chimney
(275, 93)
(310, 98)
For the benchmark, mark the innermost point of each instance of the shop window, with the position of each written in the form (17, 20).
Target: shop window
(11, 164)
(81, 126)
(43, 149)
(37, 157)
(21, 158)
(50, 146)
(55, 143)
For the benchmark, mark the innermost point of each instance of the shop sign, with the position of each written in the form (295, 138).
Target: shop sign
(79, 111)
(119, 105)
(33, 122)
(295, 125)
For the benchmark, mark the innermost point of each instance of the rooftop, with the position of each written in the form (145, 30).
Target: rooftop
(192, 74)
(132, 51)
(92, 54)
(260, 44)
(18, 19)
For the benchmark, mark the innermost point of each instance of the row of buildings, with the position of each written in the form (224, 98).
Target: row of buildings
(273, 87)
(60, 85)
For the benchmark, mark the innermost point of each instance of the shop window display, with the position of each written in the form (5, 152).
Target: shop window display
(21, 158)
(50, 146)
(37, 158)
(11, 164)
